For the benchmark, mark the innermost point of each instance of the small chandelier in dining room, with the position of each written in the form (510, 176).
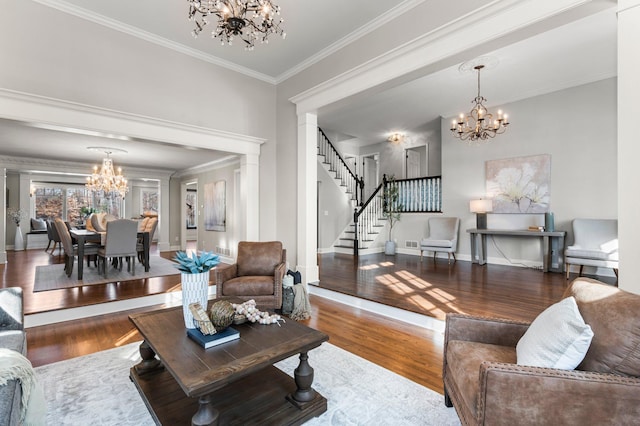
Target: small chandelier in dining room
(250, 20)
(479, 124)
(106, 180)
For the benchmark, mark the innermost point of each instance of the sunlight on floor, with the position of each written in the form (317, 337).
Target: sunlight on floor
(387, 264)
(126, 339)
(369, 267)
(414, 280)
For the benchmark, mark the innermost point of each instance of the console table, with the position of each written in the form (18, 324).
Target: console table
(552, 248)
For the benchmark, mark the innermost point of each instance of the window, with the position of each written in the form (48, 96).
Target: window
(66, 202)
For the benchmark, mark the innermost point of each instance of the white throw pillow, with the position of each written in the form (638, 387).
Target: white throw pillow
(557, 338)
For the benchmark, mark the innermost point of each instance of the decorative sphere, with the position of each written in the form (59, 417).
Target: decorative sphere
(221, 314)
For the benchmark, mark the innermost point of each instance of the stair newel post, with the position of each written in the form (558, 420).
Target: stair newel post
(384, 191)
(360, 186)
(356, 236)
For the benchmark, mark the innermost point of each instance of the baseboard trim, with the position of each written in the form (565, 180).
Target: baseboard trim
(408, 317)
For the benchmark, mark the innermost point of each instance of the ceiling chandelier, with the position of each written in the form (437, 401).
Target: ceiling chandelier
(479, 124)
(396, 137)
(106, 180)
(249, 20)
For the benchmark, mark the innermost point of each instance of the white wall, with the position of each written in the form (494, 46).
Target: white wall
(628, 147)
(334, 209)
(71, 59)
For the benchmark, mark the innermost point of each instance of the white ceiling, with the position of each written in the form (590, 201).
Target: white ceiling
(577, 53)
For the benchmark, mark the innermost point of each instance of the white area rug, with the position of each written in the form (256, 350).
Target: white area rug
(96, 390)
(53, 277)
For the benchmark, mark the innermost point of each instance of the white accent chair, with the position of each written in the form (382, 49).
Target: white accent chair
(443, 236)
(595, 243)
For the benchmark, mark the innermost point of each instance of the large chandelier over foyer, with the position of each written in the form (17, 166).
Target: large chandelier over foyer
(250, 20)
(479, 124)
(107, 180)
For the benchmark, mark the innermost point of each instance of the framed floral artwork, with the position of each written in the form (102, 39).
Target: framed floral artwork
(520, 184)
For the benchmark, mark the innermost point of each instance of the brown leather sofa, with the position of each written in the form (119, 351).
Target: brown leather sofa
(257, 274)
(486, 386)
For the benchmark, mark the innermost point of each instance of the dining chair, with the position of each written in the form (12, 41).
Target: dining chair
(53, 235)
(149, 225)
(71, 250)
(120, 242)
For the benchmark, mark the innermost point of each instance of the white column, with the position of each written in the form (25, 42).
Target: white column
(3, 221)
(628, 146)
(250, 202)
(162, 232)
(307, 198)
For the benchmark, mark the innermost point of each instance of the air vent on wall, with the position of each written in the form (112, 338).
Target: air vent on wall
(411, 244)
(223, 251)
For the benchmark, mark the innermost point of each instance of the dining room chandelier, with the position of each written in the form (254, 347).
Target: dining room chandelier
(479, 124)
(249, 20)
(106, 180)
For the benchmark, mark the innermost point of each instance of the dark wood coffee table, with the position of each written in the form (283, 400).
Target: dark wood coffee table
(233, 383)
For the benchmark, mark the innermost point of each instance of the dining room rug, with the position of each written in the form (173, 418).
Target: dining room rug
(53, 277)
(95, 390)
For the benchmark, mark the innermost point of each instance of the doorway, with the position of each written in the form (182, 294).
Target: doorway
(416, 162)
(370, 173)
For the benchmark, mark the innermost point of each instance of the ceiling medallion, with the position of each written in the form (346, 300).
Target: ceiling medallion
(479, 124)
(250, 20)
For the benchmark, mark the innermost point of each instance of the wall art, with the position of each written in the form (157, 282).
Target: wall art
(215, 216)
(519, 185)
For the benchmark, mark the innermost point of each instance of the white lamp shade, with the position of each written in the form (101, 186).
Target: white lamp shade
(480, 206)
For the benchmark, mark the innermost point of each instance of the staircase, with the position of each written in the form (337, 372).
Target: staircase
(418, 195)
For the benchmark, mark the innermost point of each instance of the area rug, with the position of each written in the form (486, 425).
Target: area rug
(53, 277)
(96, 390)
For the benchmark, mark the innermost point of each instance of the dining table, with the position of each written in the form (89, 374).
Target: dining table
(84, 236)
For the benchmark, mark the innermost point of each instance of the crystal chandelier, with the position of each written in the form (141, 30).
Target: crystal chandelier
(247, 19)
(479, 124)
(107, 180)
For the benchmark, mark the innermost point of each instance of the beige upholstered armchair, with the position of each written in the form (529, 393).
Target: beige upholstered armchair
(443, 236)
(595, 244)
(484, 383)
(257, 274)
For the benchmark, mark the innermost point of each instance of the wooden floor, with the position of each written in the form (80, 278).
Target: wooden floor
(402, 281)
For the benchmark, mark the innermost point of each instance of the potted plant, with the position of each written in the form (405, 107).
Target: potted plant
(194, 270)
(390, 211)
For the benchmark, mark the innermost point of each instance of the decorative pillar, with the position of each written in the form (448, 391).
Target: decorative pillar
(250, 196)
(307, 198)
(628, 148)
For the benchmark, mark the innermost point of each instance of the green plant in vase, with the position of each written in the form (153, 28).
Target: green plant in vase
(390, 212)
(194, 270)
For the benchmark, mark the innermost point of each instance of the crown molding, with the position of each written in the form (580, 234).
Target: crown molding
(41, 109)
(208, 167)
(371, 26)
(71, 169)
(490, 22)
(88, 15)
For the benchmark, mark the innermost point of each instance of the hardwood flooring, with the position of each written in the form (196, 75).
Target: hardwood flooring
(402, 281)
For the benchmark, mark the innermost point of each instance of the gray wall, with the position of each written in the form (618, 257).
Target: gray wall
(582, 142)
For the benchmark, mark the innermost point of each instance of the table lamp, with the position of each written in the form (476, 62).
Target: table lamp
(481, 207)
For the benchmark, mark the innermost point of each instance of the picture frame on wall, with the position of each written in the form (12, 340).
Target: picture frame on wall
(520, 184)
(148, 201)
(192, 208)
(215, 215)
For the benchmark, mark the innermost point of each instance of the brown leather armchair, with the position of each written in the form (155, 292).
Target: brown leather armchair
(486, 386)
(257, 274)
